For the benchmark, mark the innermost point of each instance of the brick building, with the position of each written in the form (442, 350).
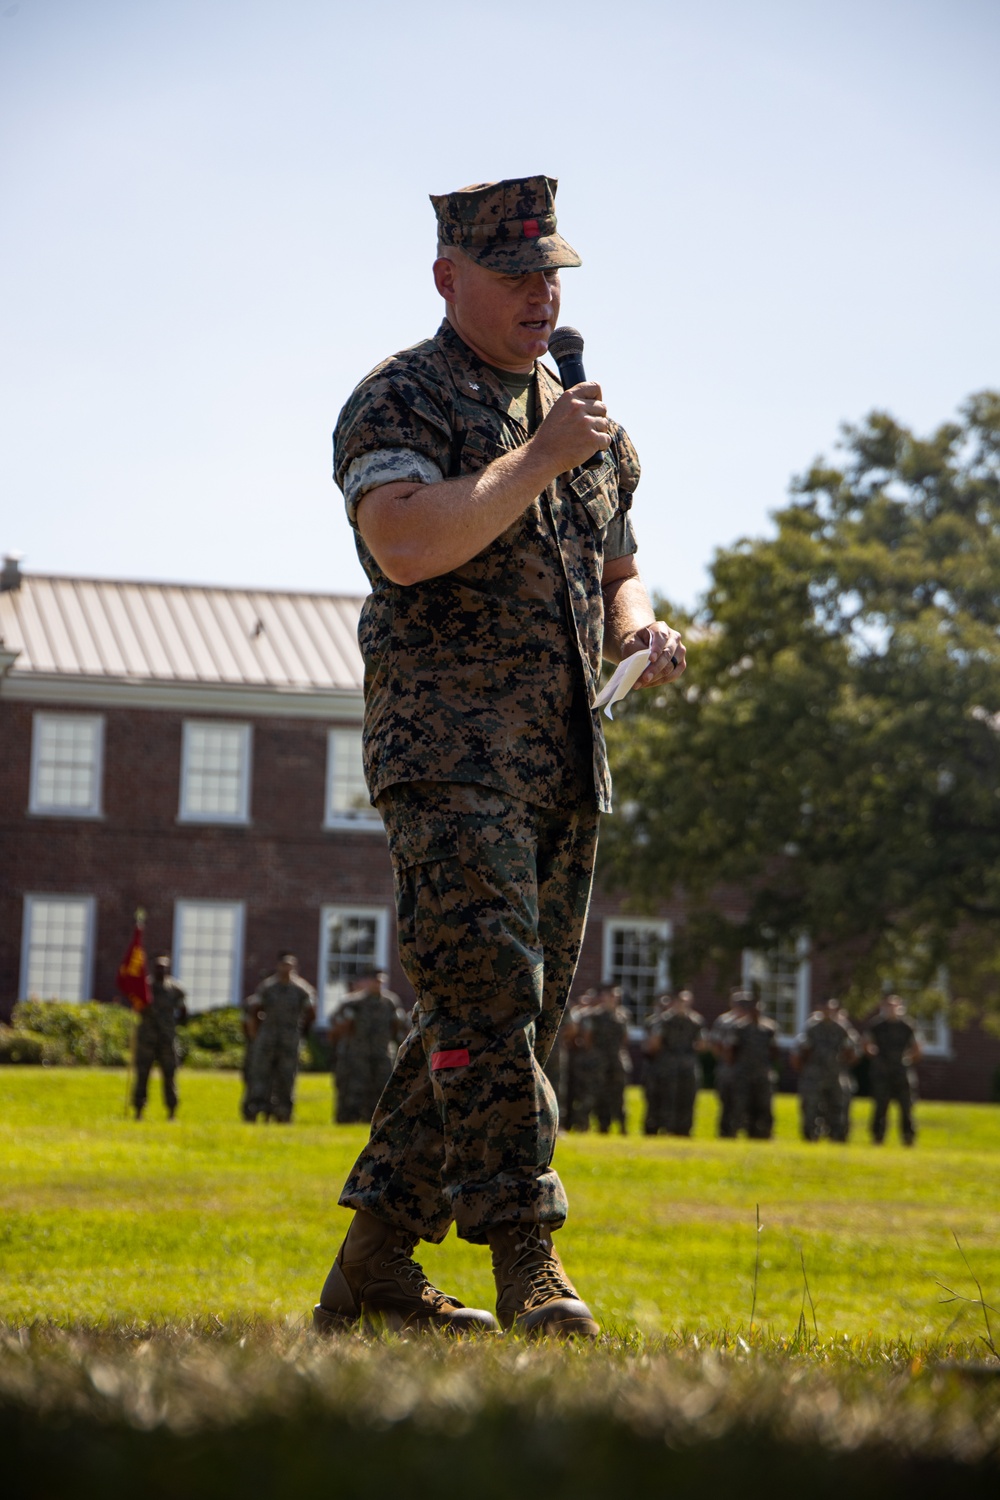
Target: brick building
(197, 752)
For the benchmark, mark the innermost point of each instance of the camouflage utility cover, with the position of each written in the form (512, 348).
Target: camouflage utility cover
(485, 674)
(505, 226)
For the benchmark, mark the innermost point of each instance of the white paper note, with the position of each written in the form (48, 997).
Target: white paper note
(622, 680)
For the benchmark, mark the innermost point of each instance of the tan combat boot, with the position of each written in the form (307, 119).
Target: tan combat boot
(534, 1294)
(376, 1280)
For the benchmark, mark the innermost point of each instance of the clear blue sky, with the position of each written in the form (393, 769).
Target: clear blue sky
(214, 220)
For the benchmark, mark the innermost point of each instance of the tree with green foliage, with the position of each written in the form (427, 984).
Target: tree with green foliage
(830, 764)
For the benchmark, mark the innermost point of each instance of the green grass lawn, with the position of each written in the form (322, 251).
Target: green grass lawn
(106, 1221)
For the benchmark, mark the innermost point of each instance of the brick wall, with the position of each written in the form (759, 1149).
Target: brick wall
(284, 865)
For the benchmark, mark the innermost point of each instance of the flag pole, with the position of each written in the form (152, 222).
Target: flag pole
(140, 922)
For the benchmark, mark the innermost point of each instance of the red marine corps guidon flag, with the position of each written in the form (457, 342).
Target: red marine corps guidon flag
(132, 980)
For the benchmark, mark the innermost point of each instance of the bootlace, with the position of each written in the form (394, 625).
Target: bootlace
(405, 1268)
(536, 1265)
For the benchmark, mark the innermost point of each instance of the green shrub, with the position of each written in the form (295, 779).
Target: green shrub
(90, 1034)
(23, 1046)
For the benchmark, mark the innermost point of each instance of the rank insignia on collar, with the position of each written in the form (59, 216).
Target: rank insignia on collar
(473, 386)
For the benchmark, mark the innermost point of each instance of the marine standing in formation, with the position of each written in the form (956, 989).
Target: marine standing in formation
(675, 1034)
(719, 1044)
(156, 1037)
(893, 1045)
(824, 1050)
(282, 1010)
(365, 1031)
(752, 1053)
(603, 1061)
(502, 567)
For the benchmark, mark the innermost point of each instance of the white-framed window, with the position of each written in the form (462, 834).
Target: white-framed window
(782, 976)
(347, 801)
(934, 1028)
(215, 772)
(208, 952)
(67, 758)
(637, 957)
(57, 948)
(351, 940)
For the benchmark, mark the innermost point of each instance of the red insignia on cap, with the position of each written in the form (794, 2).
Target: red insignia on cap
(458, 1058)
(531, 229)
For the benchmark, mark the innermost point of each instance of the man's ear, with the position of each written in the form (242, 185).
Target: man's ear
(444, 278)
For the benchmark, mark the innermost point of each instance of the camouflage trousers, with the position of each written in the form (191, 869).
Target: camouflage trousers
(360, 1080)
(752, 1110)
(893, 1081)
(825, 1101)
(601, 1092)
(147, 1053)
(671, 1090)
(491, 902)
(273, 1064)
(726, 1127)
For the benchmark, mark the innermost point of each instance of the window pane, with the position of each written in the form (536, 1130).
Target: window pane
(347, 793)
(57, 949)
(352, 946)
(207, 952)
(776, 976)
(67, 758)
(215, 770)
(638, 956)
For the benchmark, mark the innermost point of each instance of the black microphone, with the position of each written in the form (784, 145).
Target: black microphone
(566, 348)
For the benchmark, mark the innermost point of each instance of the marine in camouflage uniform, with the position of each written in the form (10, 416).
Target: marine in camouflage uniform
(156, 1037)
(283, 1009)
(584, 1063)
(366, 1029)
(602, 1047)
(753, 1049)
(674, 1037)
(492, 553)
(823, 1051)
(719, 1039)
(893, 1045)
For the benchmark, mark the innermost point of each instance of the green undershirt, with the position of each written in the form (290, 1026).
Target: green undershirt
(523, 391)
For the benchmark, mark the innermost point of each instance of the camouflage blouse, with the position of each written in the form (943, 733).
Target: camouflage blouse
(485, 674)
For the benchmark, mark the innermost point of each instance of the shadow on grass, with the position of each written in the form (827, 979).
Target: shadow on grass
(251, 1409)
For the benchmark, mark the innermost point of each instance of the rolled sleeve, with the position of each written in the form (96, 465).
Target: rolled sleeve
(386, 466)
(392, 428)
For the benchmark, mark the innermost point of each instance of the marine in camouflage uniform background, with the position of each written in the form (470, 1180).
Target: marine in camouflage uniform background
(484, 757)
(752, 1051)
(719, 1039)
(365, 1031)
(156, 1037)
(602, 1062)
(674, 1035)
(824, 1050)
(893, 1045)
(283, 1009)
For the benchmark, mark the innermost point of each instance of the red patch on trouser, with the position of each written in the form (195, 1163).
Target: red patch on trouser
(459, 1058)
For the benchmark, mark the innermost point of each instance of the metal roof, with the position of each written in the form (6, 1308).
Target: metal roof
(106, 629)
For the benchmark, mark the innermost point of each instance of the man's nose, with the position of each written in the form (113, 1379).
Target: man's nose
(540, 289)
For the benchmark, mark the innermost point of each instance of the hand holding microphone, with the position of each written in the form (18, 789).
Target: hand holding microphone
(577, 426)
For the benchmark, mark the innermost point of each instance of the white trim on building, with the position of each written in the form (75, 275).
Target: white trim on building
(208, 952)
(67, 765)
(50, 958)
(363, 937)
(635, 953)
(215, 772)
(347, 802)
